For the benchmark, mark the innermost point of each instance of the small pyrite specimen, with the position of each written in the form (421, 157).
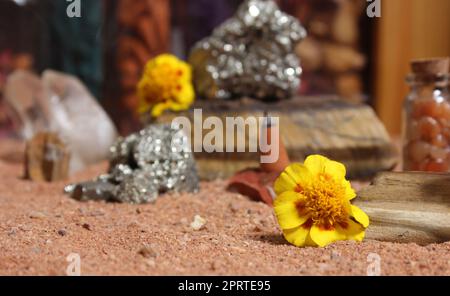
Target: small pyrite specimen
(143, 165)
(251, 54)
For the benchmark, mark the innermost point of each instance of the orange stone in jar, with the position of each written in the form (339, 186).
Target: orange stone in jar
(439, 141)
(426, 108)
(418, 151)
(413, 132)
(427, 134)
(439, 153)
(439, 165)
(446, 132)
(444, 111)
(428, 128)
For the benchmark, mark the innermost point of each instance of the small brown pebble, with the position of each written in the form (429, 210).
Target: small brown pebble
(234, 207)
(198, 223)
(147, 252)
(37, 215)
(87, 226)
(12, 231)
(213, 266)
(62, 232)
(257, 228)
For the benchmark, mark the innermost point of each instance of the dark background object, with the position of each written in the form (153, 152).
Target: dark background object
(107, 48)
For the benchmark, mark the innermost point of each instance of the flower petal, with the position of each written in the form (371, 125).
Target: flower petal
(323, 237)
(349, 191)
(287, 211)
(294, 176)
(299, 173)
(335, 169)
(284, 183)
(159, 108)
(359, 216)
(318, 164)
(352, 230)
(309, 242)
(297, 236)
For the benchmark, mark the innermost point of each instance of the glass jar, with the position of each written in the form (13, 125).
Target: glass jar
(426, 123)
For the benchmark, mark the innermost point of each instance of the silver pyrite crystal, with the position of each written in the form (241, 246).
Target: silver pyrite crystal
(143, 165)
(251, 54)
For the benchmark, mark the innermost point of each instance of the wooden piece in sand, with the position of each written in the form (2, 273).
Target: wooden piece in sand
(46, 158)
(408, 207)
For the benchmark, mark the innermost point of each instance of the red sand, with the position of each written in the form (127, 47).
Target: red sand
(40, 227)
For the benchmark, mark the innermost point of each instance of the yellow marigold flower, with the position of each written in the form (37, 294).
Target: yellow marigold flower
(165, 84)
(313, 204)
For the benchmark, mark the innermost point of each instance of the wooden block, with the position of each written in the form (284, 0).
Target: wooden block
(46, 158)
(350, 133)
(408, 207)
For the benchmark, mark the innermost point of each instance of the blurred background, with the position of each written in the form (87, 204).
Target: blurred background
(347, 53)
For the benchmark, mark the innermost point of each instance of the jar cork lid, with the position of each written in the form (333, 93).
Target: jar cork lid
(434, 66)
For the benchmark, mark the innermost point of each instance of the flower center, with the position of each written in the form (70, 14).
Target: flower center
(325, 202)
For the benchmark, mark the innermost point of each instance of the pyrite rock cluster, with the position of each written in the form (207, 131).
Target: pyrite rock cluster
(46, 158)
(142, 166)
(251, 54)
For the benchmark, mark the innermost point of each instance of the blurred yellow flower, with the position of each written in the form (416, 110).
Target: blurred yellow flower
(165, 85)
(313, 204)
